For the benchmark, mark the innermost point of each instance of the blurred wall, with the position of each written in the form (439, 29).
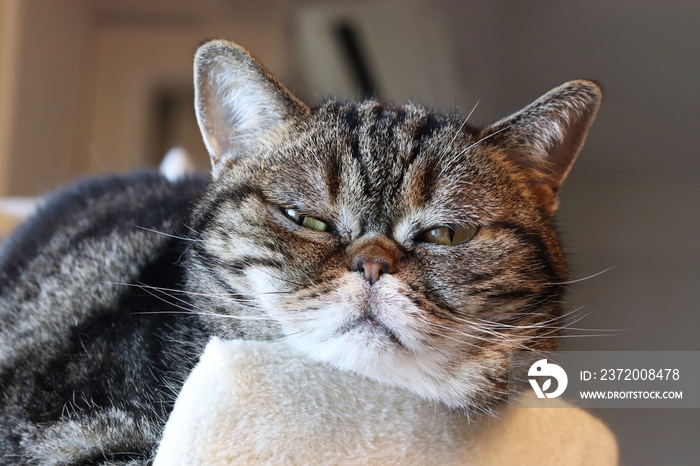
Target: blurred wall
(84, 82)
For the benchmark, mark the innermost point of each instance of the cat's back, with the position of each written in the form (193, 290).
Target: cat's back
(94, 209)
(82, 299)
(86, 241)
(88, 237)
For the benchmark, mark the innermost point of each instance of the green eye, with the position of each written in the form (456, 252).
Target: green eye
(306, 221)
(450, 235)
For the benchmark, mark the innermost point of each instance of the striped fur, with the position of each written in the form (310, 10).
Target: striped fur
(439, 320)
(91, 354)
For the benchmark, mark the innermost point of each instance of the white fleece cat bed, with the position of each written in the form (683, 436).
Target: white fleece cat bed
(262, 403)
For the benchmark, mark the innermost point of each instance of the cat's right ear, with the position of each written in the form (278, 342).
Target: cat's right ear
(239, 104)
(544, 138)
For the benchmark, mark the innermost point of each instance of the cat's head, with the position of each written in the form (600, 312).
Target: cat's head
(392, 241)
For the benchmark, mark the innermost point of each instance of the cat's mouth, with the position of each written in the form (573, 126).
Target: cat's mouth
(369, 324)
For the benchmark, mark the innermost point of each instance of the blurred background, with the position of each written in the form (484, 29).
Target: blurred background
(96, 86)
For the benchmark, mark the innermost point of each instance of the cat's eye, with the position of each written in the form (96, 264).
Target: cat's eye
(306, 221)
(448, 235)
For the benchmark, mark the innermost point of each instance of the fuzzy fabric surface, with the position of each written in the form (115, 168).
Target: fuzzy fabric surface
(262, 403)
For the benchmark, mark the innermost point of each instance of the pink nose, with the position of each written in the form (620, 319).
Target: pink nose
(373, 270)
(374, 255)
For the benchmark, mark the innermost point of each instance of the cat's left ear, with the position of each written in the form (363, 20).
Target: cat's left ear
(239, 104)
(545, 137)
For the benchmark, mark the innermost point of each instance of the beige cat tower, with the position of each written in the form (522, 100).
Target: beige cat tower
(262, 403)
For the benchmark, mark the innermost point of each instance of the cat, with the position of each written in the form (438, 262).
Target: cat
(388, 240)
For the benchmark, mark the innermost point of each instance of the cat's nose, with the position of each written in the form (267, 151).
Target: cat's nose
(372, 269)
(373, 256)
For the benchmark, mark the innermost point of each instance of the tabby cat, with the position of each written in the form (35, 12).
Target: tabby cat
(398, 243)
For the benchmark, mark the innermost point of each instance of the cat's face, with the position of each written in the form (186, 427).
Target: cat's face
(396, 243)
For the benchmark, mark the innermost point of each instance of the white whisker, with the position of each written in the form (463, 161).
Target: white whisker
(582, 279)
(184, 238)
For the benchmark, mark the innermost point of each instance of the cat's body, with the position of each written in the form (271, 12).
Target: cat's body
(90, 360)
(387, 240)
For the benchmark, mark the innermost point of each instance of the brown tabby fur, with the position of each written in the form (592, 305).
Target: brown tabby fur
(107, 295)
(442, 320)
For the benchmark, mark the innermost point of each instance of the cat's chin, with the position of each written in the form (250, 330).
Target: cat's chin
(371, 331)
(378, 332)
(383, 344)
(373, 352)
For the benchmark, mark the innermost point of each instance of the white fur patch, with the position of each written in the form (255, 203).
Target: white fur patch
(331, 329)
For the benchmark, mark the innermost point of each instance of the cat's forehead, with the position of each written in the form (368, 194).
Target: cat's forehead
(383, 140)
(386, 125)
(382, 163)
